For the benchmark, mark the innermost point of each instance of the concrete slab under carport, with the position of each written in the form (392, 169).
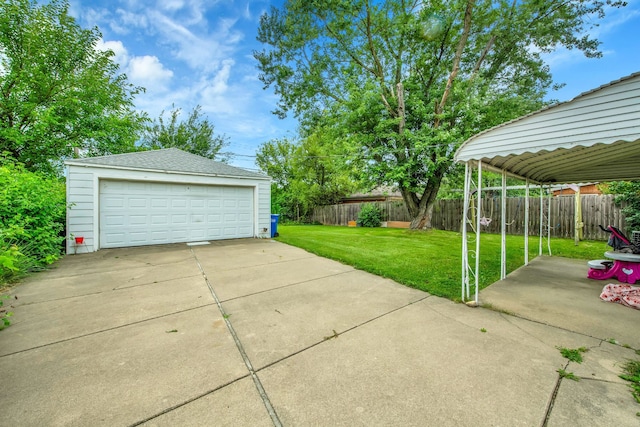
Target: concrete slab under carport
(556, 291)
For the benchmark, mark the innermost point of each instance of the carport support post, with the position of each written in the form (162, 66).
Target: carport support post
(526, 223)
(541, 219)
(465, 244)
(549, 197)
(478, 225)
(503, 225)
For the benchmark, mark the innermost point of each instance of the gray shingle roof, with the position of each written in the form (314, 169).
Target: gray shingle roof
(167, 160)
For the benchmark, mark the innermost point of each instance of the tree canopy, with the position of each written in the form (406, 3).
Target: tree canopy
(404, 82)
(59, 94)
(304, 174)
(195, 134)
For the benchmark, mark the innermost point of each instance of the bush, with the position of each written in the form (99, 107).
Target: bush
(370, 216)
(32, 216)
(628, 195)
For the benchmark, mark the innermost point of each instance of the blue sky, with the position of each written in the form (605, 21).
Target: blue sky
(199, 52)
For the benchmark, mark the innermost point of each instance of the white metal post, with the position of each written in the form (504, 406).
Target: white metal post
(478, 226)
(465, 249)
(503, 243)
(549, 196)
(526, 223)
(541, 221)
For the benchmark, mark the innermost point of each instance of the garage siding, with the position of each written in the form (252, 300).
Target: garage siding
(264, 206)
(80, 202)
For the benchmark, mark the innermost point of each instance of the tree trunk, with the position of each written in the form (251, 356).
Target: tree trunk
(422, 221)
(421, 208)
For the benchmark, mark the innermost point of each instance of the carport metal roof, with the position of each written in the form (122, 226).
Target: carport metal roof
(593, 137)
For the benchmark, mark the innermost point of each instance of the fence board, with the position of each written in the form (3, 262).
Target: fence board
(447, 215)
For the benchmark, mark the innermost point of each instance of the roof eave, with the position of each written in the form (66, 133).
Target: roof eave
(92, 165)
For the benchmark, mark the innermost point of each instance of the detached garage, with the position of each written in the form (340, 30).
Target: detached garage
(162, 196)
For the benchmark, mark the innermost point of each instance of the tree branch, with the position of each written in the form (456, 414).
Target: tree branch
(456, 60)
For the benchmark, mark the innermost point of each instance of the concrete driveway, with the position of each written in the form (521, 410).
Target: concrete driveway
(258, 333)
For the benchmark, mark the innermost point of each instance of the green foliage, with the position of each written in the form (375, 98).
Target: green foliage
(194, 135)
(628, 195)
(58, 91)
(370, 215)
(403, 83)
(632, 374)
(4, 314)
(32, 216)
(304, 175)
(568, 375)
(573, 354)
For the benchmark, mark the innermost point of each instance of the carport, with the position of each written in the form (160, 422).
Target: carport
(593, 137)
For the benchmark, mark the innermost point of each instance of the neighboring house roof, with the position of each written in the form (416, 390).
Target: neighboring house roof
(379, 193)
(589, 188)
(593, 137)
(168, 160)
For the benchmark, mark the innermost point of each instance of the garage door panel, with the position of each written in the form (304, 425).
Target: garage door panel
(142, 213)
(159, 220)
(179, 203)
(159, 203)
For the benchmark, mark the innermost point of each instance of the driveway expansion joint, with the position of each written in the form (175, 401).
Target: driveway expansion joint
(337, 334)
(284, 286)
(256, 381)
(105, 330)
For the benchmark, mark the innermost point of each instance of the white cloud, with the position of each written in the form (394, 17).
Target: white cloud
(149, 72)
(127, 21)
(121, 54)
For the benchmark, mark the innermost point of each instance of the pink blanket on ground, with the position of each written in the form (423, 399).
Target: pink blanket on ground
(624, 294)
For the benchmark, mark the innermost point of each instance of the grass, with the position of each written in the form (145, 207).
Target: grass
(573, 354)
(426, 260)
(632, 374)
(568, 375)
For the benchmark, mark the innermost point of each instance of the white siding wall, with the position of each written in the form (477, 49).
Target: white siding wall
(81, 203)
(83, 199)
(263, 205)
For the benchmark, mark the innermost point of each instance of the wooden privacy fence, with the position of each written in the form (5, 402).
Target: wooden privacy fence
(447, 215)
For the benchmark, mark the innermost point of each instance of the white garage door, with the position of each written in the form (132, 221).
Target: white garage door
(134, 213)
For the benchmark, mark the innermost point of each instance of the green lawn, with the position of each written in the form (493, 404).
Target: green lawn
(427, 260)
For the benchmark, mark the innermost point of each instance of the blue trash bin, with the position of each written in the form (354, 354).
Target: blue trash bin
(274, 225)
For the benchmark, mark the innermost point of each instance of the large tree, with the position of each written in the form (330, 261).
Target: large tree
(195, 134)
(407, 80)
(59, 94)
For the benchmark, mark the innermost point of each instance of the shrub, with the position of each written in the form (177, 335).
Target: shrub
(628, 196)
(370, 216)
(32, 213)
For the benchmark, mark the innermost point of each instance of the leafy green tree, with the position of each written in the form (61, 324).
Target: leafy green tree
(406, 81)
(59, 94)
(628, 196)
(195, 134)
(304, 174)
